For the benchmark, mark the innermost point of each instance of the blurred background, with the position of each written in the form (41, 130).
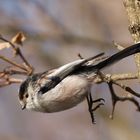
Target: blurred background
(56, 31)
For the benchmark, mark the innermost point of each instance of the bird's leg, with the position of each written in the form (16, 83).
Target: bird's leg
(90, 106)
(89, 101)
(98, 105)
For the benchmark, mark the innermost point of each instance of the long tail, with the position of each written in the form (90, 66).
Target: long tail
(115, 58)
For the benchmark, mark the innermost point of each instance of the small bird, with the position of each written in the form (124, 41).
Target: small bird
(65, 87)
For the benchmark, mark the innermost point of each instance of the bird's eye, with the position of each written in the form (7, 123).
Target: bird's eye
(26, 95)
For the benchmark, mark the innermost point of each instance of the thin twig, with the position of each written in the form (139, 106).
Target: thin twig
(127, 88)
(115, 97)
(117, 77)
(18, 52)
(14, 68)
(9, 81)
(118, 46)
(12, 63)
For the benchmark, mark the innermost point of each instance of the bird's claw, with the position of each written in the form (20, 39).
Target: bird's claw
(98, 106)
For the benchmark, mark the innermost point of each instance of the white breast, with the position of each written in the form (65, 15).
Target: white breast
(67, 94)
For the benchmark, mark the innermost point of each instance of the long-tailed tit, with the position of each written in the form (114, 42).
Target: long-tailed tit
(65, 87)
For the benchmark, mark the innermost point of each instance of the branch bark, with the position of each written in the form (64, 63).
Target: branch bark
(133, 12)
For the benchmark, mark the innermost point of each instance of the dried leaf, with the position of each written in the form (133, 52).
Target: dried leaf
(18, 38)
(4, 45)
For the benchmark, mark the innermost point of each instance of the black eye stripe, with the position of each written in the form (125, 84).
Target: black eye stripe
(25, 84)
(32, 80)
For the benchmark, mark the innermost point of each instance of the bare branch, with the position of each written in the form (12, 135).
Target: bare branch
(115, 97)
(133, 12)
(12, 63)
(19, 53)
(117, 77)
(9, 81)
(13, 67)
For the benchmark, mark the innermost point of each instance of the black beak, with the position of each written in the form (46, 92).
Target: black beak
(23, 107)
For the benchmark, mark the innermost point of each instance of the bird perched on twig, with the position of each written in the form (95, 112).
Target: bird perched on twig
(65, 87)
